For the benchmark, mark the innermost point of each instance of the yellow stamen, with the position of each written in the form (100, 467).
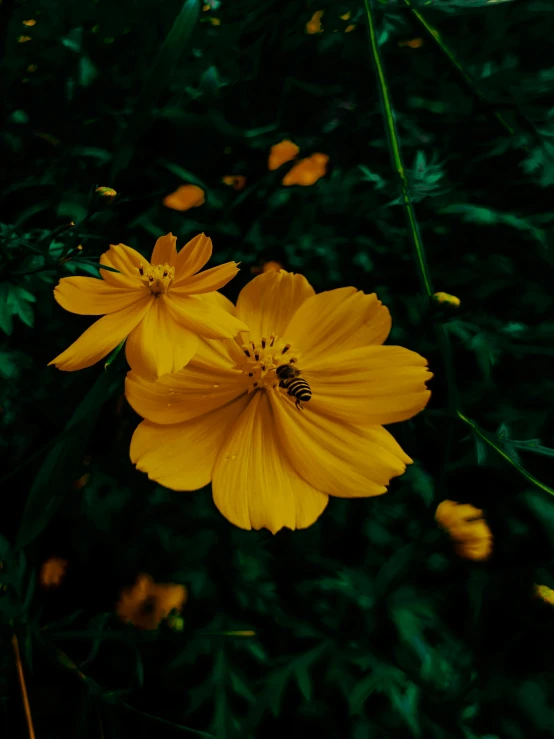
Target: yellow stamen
(158, 278)
(259, 361)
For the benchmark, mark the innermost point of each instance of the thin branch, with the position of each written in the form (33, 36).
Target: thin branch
(23, 688)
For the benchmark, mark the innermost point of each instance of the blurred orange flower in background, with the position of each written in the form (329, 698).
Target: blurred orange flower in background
(52, 572)
(314, 24)
(184, 198)
(284, 151)
(307, 171)
(146, 603)
(414, 43)
(467, 528)
(236, 181)
(545, 593)
(270, 266)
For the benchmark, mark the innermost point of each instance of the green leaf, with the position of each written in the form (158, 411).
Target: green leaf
(87, 71)
(59, 469)
(362, 691)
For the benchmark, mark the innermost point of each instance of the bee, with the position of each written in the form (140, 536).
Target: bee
(297, 387)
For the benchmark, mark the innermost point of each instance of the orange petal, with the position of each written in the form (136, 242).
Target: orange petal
(182, 456)
(165, 250)
(373, 385)
(253, 483)
(89, 296)
(159, 345)
(203, 316)
(207, 281)
(102, 337)
(307, 171)
(337, 320)
(282, 152)
(184, 198)
(335, 457)
(268, 302)
(192, 257)
(206, 383)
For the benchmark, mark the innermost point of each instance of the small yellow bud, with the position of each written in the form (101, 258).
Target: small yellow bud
(349, 28)
(544, 593)
(106, 193)
(79, 248)
(30, 22)
(314, 24)
(446, 298)
(23, 39)
(346, 16)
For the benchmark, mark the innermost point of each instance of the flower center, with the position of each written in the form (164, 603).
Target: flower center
(158, 278)
(260, 360)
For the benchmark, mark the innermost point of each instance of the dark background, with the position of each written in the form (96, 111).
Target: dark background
(367, 624)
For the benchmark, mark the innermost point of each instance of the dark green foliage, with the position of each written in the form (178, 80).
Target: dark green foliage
(367, 625)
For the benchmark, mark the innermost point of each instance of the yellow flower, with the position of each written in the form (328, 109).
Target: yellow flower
(23, 39)
(350, 28)
(225, 419)
(446, 298)
(184, 198)
(236, 181)
(30, 22)
(106, 193)
(270, 266)
(314, 24)
(147, 603)
(52, 572)
(346, 16)
(467, 527)
(284, 151)
(161, 306)
(545, 593)
(307, 171)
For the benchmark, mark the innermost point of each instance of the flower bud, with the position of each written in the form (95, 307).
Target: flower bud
(106, 193)
(446, 298)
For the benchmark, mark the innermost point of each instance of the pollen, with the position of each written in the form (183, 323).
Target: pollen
(259, 360)
(158, 279)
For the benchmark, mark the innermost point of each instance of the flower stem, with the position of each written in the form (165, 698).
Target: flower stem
(23, 688)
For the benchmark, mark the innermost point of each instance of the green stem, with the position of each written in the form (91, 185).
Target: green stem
(528, 476)
(474, 87)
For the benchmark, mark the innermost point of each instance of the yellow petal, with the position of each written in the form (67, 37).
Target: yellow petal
(282, 152)
(182, 456)
(127, 261)
(337, 320)
(307, 171)
(335, 457)
(88, 296)
(192, 257)
(197, 389)
(268, 302)
(202, 316)
(221, 302)
(254, 485)
(184, 198)
(165, 250)
(207, 281)
(159, 345)
(103, 336)
(373, 385)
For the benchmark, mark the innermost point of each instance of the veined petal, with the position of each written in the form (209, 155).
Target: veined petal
(159, 345)
(207, 281)
(337, 320)
(103, 336)
(372, 385)
(182, 456)
(221, 302)
(165, 250)
(192, 257)
(268, 302)
(203, 316)
(254, 485)
(89, 296)
(127, 261)
(197, 389)
(336, 457)
(123, 258)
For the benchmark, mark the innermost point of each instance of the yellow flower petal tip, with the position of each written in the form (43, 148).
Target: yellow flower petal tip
(414, 43)
(346, 16)
(159, 308)
(288, 412)
(446, 298)
(106, 193)
(314, 24)
(30, 22)
(146, 604)
(544, 593)
(285, 151)
(184, 198)
(467, 528)
(236, 181)
(307, 171)
(350, 28)
(52, 572)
